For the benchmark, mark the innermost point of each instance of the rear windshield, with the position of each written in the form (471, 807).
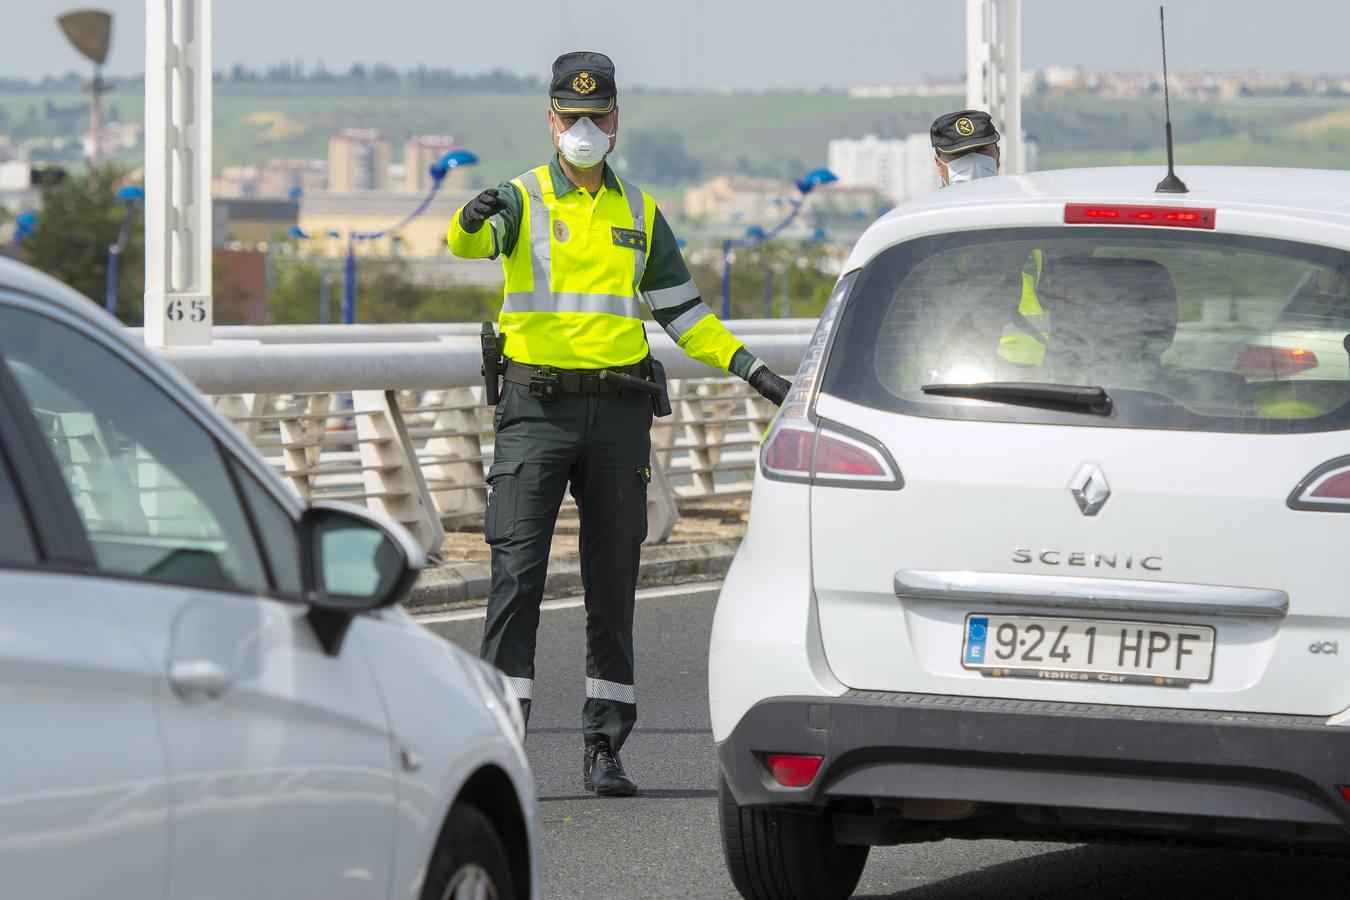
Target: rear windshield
(1183, 330)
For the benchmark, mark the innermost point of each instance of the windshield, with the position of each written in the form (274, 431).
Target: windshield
(1206, 332)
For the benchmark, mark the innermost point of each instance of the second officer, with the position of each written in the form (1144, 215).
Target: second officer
(580, 247)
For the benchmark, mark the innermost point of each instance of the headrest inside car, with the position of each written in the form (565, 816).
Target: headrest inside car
(1109, 306)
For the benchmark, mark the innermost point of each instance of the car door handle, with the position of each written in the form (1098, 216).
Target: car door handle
(192, 679)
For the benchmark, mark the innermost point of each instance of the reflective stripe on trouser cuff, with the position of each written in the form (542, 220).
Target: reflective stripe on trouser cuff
(571, 302)
(665, 298)
(599, 689)
(687, 320)
(521, 688)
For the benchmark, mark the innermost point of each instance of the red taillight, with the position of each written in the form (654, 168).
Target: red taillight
(1132, 214)
(1274, 362)
(788, 452)
(1325, 489)
(838, 457)
(1334, 487)
(1345, 791)
(833, 456)
(794, 771)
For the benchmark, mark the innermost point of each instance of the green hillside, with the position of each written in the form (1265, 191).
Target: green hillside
(772, 134)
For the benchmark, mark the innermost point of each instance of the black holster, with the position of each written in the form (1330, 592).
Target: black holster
(660, 401)
(493, 366)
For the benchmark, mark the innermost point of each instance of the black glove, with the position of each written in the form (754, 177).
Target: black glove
(771, 386)
(480, 209)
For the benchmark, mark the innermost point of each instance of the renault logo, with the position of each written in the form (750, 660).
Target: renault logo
(1090, 489)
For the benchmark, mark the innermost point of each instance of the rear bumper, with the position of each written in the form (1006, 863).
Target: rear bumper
(1094, 768)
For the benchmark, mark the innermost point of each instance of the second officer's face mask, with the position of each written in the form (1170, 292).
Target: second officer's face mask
(970, 167)
(584, 145)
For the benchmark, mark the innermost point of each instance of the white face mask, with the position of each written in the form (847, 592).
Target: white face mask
(970, 167)
(584, 145)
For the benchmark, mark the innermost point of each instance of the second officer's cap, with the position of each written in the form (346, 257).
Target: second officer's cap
(963, 130)
(582, 84)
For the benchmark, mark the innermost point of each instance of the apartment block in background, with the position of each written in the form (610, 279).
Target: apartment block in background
(358, 160)
(419, 155)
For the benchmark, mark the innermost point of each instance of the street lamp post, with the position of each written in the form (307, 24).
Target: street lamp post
(325, 271)
(439, 169)
(755, 235)
(24, 224)
(131, 197)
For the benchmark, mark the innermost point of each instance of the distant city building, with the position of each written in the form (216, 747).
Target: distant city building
(275, 178)
(248, 221)
(419, 155)
(371, 211)
(358, 160)
(900, 168)
(737, 199)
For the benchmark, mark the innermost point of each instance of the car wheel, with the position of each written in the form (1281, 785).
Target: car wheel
(777, 854)
(470, 862)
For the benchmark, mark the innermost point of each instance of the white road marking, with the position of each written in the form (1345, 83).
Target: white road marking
(697, 588)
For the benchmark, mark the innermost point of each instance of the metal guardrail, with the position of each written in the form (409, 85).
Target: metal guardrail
(393, 416)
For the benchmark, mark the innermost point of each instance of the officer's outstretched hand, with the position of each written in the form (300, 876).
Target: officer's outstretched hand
(771, 386)
(480, 209)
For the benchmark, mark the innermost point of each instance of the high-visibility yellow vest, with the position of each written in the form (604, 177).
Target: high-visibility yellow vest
(1020, 342)
(571, 295)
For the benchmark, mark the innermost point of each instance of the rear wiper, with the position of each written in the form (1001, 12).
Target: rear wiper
(1068, 397)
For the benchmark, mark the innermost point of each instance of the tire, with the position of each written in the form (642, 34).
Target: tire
(470, 860)
(777, 854)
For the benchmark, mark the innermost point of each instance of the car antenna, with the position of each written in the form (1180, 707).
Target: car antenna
(1171, 184)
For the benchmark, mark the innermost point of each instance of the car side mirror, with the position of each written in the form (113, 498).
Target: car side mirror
(354, 561)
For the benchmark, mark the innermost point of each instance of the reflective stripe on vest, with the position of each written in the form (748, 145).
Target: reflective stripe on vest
(539, 188)
(541, 248)
(575, 302)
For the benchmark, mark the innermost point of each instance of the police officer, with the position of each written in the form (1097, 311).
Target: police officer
(580, 246)
(965, 148)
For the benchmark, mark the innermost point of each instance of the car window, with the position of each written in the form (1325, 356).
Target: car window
(277, 531)
(1194, 331)
(16, 541)
(147, 480)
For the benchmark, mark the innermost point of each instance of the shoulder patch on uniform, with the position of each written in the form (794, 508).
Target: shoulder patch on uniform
(630, 237)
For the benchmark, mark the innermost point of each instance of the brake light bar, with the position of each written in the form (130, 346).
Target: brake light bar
(1133, 214)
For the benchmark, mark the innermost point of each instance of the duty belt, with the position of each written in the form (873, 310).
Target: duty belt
(547, 382)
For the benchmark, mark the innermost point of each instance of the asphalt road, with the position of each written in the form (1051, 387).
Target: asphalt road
(664, 843)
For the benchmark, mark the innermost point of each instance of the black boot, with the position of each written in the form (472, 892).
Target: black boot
(603, 772)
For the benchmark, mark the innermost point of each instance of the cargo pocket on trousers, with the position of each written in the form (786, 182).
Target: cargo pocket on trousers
(499, 522)
(644, 478)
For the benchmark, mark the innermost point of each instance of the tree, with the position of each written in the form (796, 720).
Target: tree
(79, 220)
(658, 157)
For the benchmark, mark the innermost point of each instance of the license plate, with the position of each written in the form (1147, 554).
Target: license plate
(1090, 650)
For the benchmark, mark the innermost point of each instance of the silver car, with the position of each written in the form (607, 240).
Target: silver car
(207, 688)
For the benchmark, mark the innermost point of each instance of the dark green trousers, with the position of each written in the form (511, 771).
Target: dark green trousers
(600, 444)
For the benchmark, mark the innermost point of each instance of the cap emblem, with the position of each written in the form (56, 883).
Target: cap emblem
(584, 84)
(965, 127)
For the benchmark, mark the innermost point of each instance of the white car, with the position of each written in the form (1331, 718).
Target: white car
(1031, 553)
(207, 689)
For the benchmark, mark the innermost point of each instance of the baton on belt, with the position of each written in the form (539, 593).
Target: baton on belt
(628, 381)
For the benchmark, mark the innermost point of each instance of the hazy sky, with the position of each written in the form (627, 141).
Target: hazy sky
(711, 43)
